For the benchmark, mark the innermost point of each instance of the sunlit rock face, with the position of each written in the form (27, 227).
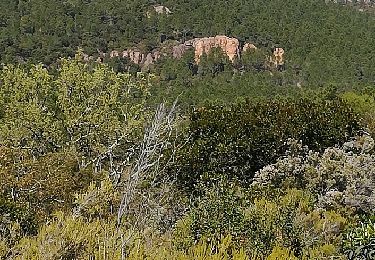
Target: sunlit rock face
(248, 46)
(160, 9)
(229, 46)
(278, 53)
(277, 59)
(179, 50)
(134, 56)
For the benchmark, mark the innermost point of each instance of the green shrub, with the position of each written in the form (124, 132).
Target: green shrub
(77, 107)
(338, 178)
(31, 190)
(261, 219)
(15, 223)
(364, 104)
(218, 213)
(359, 242)
(42, 185)
(238, 140)
(279, 253)
(98, 201)
(70, 237)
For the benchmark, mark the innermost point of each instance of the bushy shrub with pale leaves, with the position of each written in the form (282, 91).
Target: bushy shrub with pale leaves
(338, 177)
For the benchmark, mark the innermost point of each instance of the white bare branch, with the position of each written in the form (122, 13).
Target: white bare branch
(147, 166)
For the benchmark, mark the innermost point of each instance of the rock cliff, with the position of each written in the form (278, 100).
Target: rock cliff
(230, 47)
(278, 57)
(158, 9)
(134, 55)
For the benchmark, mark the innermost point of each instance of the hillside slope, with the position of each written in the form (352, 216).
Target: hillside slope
(324, 43)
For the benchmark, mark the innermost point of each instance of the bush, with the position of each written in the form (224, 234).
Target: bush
(70, 237)
(238, 140)
(262, 219)
(76, 107)
(15, 223)
(359, 242)
(218, 213)
(98, 201)
(364, 104)
(337, 178)
(42, 185)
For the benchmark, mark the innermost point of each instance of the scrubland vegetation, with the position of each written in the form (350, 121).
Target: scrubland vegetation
(216, 160)
(88, 169)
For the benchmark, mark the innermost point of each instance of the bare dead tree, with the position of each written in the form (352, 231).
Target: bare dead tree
(144, 162)
(150, 164)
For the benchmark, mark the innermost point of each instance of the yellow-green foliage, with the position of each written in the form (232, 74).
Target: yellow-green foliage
(44, 185)
(3, 248)
(286, 219)
(83, 108)
(202, 251)
(56, 129)
(275, 221)
(363, 104)
(33, 189)
(281, 253)
(183, 236)
(99, 201)
(70, 237)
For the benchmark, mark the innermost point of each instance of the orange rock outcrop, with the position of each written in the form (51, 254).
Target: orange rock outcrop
(278, 57)
(230, 46)
(249, 46)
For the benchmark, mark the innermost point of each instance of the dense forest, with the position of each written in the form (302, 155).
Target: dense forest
(325, 44)
(260, 152)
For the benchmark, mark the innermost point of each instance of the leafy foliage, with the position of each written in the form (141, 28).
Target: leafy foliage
(263, 220)
(238, 140)
(337, 177)
(360, 241)
(315, 35)
(43, 185)
(67, 238)
(45, 113)
(56, 131)
(269, 165)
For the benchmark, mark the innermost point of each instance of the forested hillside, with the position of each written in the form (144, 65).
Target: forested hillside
(187, 129)
(324, 43)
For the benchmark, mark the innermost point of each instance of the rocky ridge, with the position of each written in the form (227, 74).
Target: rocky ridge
(230, 46)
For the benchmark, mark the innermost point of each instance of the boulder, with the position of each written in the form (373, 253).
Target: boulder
(278, 56)
(148, 60)
(160, 9)
(114, 54)
(248, 46)
(180, 50)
